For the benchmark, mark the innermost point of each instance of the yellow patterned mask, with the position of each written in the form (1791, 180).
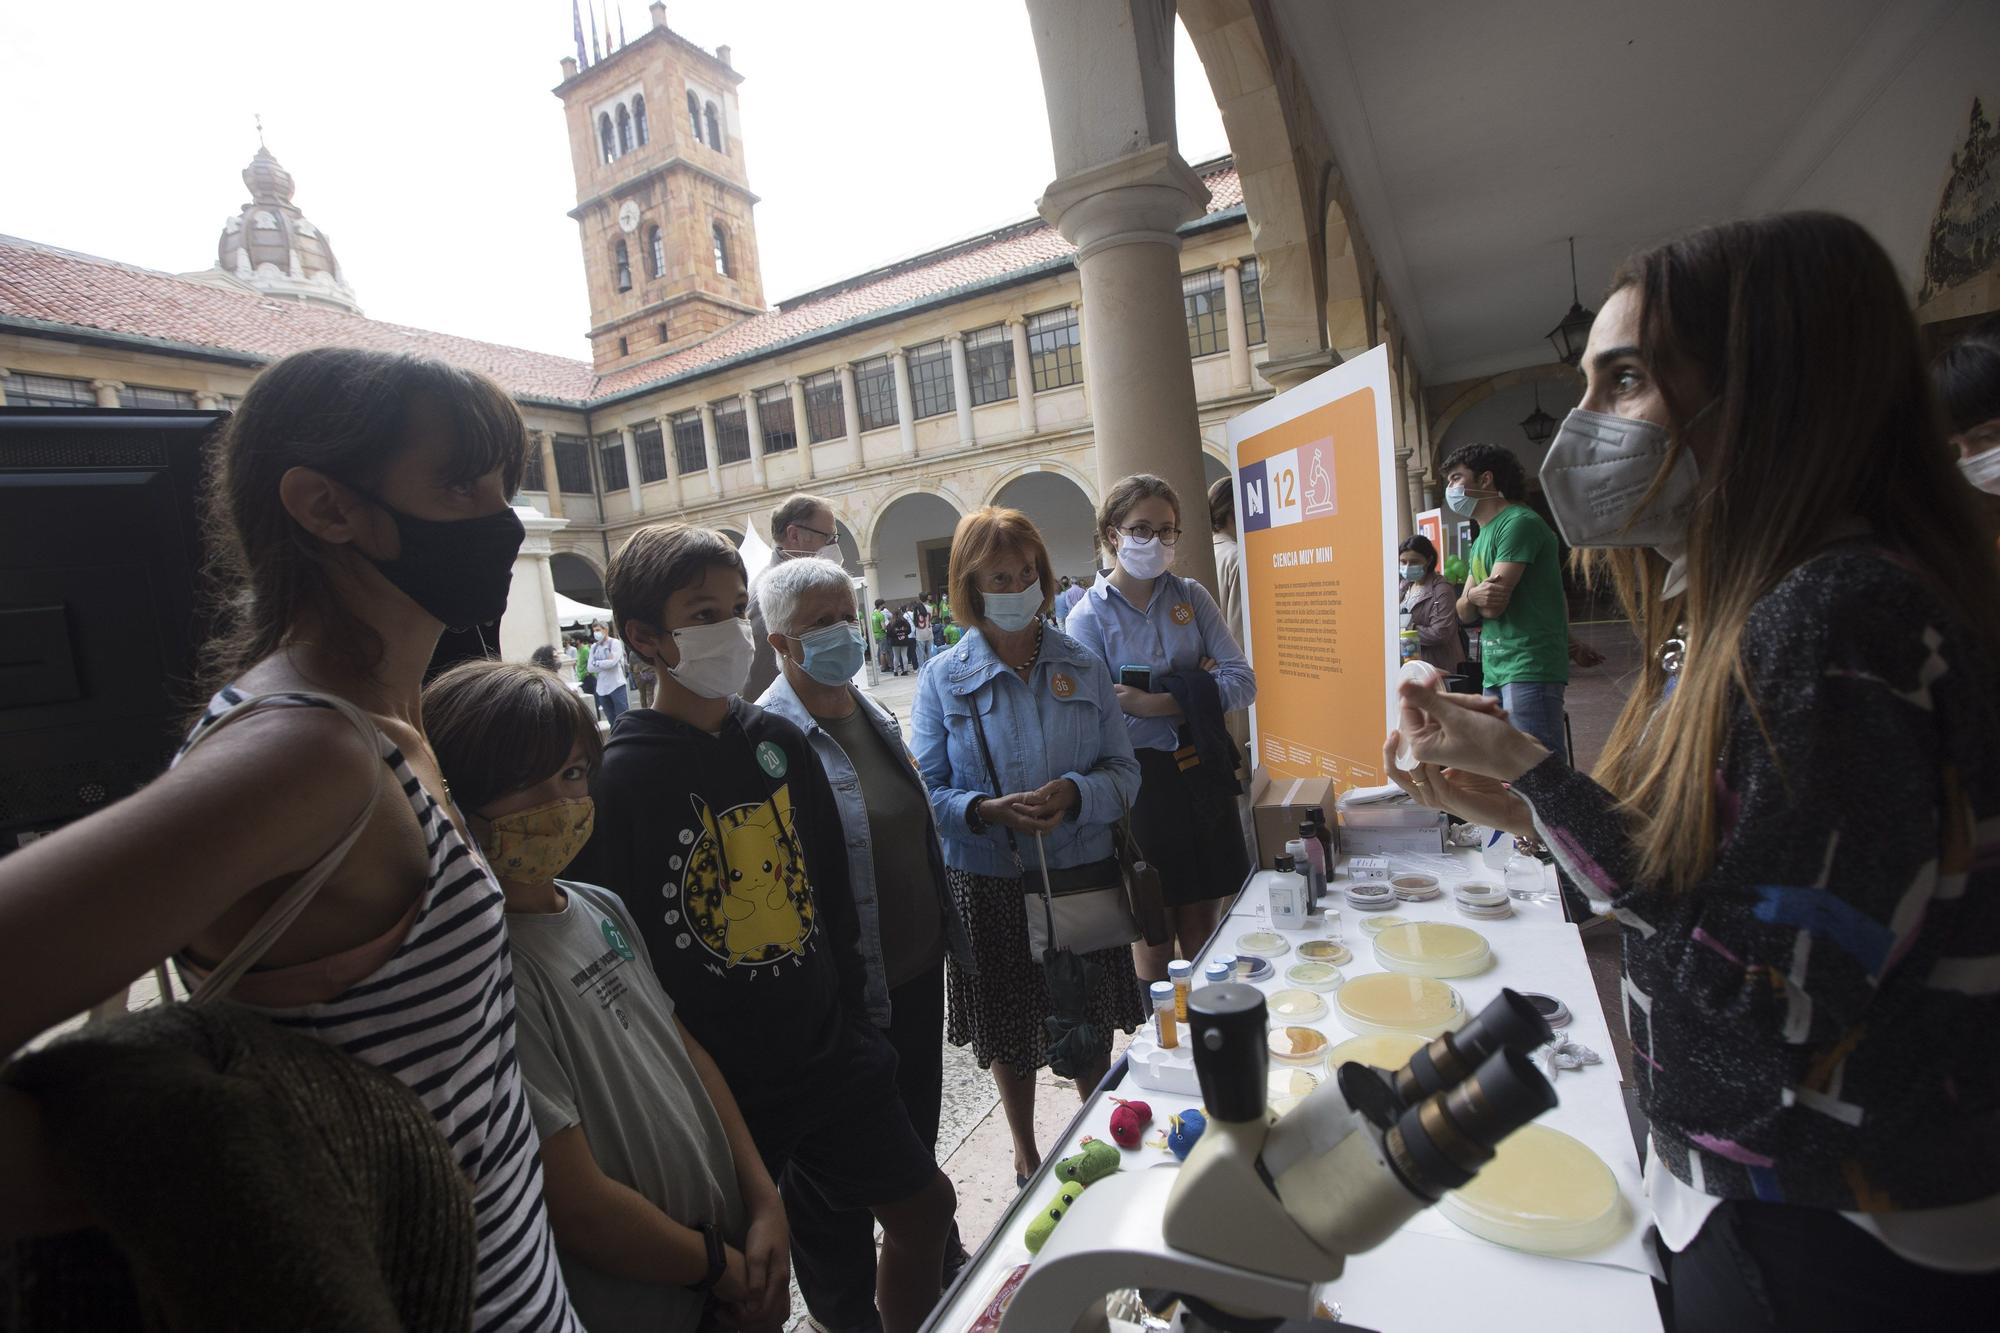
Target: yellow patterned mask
(530, 846)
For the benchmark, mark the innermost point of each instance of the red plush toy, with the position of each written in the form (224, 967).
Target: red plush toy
(1129, 1121)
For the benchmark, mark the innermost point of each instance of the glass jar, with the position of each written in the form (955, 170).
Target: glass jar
(1525, 879)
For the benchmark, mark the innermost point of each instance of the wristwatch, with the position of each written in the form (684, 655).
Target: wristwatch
(972, 819)
(718, 1257)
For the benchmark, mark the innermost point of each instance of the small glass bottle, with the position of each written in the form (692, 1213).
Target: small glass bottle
(1180, 975)
(1525, 880)
(1228, 960)
(1325, 836)
(1217, 971)
(1313, 867)
(1166, 1027)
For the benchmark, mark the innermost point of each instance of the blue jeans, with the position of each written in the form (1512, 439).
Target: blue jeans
(615, 703)
(1536, 707)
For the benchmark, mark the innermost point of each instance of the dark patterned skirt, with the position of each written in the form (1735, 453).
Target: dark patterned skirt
(999, 1011)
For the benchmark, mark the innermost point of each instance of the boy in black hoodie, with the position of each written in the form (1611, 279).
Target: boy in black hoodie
(716, 825)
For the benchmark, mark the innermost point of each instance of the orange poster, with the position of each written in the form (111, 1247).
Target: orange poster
(1315, 511)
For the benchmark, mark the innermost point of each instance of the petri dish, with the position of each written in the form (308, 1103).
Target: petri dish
(1415, 888)
(1326, 951)
(1322, 977)
(1296, 1006)
(1375, 925)
(1262, 944)
(1543, 1191)
(1392, 1002)
(1388, 1051)
(1253, 969)
(1289, 1086)
(1296, 1045)
(1432, 949)
(1369, 896)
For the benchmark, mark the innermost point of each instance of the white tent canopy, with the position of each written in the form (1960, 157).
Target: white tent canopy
(570, 612)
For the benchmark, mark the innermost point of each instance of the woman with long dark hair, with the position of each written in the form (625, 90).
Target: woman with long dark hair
(1794, 818)
(359, 506)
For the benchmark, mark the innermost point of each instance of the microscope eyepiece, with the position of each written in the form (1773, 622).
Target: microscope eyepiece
(1442, 1141)
(1510, 1023)
(1227, 1024)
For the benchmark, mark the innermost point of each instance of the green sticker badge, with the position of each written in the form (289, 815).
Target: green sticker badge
(616, 939)
(771, 758)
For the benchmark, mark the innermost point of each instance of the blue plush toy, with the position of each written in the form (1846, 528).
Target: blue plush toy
(1185, 1132)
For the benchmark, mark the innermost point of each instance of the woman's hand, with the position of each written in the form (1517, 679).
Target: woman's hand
(1466, 731)
(767, 1264)
(1471, 797)
(1019, 810)
(1049, 805)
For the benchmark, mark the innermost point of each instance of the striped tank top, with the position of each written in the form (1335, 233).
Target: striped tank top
(439, 1015)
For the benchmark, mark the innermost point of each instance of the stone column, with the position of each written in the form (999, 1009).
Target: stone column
(1292, 371)
(1024, 374)
(1413, 475)
(633, 477)
(1083, 346)
(207, 402)
(871, 575)
(797, 388)
(755, 427)
(673, 461)
(850, 412)
(961, 389)
(1239, 328)
(906, 405)
(547, 444)
(107, 392)
(530, 620)
(708, 445)
(1405, 515)
(1122, 216)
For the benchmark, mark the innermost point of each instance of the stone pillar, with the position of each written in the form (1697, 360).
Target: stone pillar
(797, 388)
(207, 402)
(708, 446)
(1292, 371)
(1083, 345)
(530, 620)
(871, 575)
(906, 405)
(961, 389)
(547, 444)
(1024, 374)
(673, 461)
(755, 427)
(633, 478)
(1122, 216)
(1413, 476)
(1239, 328)
(1405, 514)
(107, 392)
(850, 412)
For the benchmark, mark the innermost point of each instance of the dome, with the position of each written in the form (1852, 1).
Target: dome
(271, 246)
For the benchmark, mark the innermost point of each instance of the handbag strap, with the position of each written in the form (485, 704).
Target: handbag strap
(278, 918)
(1048, 893)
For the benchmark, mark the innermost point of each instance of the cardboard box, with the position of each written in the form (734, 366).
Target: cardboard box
(1278, 804)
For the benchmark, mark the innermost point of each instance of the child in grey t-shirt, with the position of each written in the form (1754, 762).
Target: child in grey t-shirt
(658, 1199)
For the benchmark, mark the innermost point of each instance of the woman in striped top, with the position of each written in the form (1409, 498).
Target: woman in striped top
(358, 506)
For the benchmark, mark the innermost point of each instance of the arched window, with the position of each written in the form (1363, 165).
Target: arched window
(624, 130)
(604, 134)
(694, 116)
(721, 241)
(621, 260)
(639, 118)
(656, 253)
(714, 129)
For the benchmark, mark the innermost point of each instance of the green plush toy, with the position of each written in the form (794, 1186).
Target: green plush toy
(1097, 1160)
(1053, 1212)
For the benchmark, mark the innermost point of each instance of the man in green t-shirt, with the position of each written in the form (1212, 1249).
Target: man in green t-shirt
(1513, 591)
(878, 620)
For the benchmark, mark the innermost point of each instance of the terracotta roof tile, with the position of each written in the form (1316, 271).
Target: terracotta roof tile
(61, 287)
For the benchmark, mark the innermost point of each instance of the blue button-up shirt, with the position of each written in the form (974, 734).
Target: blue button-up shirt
(1179, 627)
(1062, 722)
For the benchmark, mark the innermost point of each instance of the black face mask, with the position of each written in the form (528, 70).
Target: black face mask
(457, 570)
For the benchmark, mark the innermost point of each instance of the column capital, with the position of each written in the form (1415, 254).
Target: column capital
(793, 382)
(115, 386)
(1015, 322)
(900, 357)
(1142, 197)
(708, 414)
(1230, 265)
(955, 337)
(843, 368)
(1285, 372)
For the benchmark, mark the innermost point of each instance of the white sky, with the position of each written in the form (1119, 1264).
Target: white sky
(428, 148)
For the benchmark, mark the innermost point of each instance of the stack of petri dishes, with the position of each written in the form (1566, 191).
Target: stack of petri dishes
(1370, 896)
(1325, 951)
(1432, 949)
(1320, 977)
(1296, 1006)
(1543, 1191)
(1392, 1002)
(1415, 888)
(1262, 944)
(1482, 899)
(1300, 1047)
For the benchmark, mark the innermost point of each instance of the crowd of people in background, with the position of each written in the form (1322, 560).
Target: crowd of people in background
(673, 989)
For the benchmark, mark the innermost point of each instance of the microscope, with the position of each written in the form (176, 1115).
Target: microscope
(1266, 1208)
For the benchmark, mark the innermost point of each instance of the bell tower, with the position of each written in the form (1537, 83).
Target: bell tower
(663, 197)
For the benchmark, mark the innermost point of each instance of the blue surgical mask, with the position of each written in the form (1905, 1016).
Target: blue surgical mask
(1459, 502)
(833, 653)
(1413, 572)
(1011, 612)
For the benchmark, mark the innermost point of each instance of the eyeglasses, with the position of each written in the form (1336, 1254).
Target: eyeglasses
(832, 539)
(1145, 532)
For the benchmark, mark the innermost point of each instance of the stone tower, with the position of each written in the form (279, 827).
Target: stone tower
(663, 197)
(269, 245)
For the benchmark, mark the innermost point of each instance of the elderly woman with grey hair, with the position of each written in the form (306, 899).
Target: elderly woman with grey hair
(907, 919)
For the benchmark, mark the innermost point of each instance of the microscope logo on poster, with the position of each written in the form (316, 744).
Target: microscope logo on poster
(1289, 487)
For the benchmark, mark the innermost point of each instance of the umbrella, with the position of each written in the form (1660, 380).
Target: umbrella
(1074, 1041)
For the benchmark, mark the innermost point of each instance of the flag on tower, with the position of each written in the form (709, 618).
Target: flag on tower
(576, 24)
(595, 53)
(621, 27)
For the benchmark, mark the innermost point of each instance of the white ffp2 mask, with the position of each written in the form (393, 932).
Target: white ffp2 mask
(715, 659)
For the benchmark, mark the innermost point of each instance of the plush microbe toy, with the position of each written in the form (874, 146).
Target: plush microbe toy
(1185, 1133)
(1129, 1121)
(1097, 1160)
(1052, 1212)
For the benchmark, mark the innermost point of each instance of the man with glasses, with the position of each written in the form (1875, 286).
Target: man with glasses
(802, 526)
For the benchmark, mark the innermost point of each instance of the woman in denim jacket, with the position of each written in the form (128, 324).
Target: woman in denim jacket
(1066, 774)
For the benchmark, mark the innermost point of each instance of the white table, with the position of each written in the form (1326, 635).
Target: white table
(1430, 1275)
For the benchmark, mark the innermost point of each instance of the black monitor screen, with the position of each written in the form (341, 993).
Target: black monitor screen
(100, 618)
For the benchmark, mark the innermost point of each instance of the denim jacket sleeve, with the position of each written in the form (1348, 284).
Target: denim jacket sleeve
(930, 743)
(1112, 783)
